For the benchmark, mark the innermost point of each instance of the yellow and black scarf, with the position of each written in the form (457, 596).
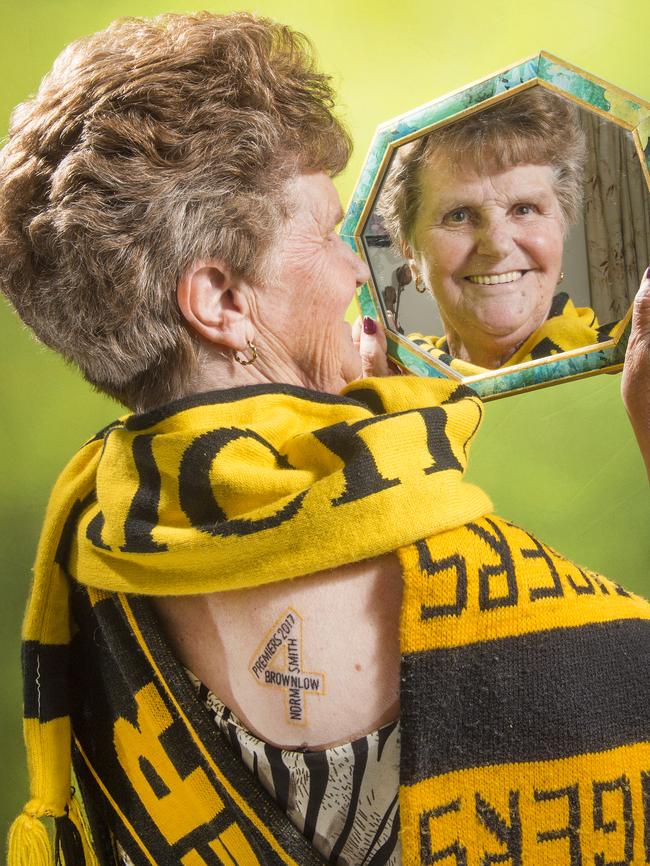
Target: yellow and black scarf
(567, 327)
(525, 679)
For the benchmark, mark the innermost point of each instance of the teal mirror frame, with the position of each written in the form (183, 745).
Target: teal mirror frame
(544, 70)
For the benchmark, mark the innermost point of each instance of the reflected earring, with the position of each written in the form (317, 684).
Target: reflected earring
(561, 277)
(404, 275)
(420, 284)
(246, 361)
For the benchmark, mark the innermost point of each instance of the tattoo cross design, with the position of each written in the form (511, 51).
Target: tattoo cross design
(277, 662)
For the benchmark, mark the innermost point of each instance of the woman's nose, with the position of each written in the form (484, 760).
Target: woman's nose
(494, 239)
(362, 272)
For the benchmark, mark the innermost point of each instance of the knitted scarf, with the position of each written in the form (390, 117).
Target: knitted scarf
(567, 327)
(525, 679)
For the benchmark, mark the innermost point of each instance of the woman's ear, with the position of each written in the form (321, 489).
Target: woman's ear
(409, 254)
(215, 304)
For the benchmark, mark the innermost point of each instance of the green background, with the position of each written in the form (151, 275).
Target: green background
(561, 461)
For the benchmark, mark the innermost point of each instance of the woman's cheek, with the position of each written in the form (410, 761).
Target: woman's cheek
(545, 244)
(455, 250)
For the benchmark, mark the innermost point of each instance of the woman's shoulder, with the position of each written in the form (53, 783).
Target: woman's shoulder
(310, 661)
(499, 580)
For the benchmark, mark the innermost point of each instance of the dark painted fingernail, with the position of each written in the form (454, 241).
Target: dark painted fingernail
(647, 273)
(369, 325)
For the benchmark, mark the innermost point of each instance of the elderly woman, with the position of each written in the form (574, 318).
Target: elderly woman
(481, 209)
(214, 627)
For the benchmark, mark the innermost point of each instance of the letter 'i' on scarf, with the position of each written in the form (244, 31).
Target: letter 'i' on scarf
(525, 687)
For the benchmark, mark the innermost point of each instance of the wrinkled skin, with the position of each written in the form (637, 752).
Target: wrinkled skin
(635, 383)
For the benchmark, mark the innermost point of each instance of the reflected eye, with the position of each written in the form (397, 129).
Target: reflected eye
(457, 217)
(525, 209)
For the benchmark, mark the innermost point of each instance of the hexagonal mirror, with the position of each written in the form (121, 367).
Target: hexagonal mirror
(506, 227)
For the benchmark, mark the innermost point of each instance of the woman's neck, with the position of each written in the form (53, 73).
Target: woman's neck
(480, 356)
(218, 370)
(485, 351)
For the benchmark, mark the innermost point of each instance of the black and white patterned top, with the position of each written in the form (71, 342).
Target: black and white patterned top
(343, 799)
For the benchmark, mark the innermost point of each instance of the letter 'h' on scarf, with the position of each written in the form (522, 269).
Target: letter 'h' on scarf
(525, 679)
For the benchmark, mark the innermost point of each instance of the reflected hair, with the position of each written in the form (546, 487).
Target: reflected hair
(151, 145)
(532, 127)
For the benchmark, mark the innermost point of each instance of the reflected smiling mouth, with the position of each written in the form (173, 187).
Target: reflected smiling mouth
(495, 279)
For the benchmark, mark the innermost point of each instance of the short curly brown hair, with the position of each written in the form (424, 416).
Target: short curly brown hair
(150, 145)
(533, 126)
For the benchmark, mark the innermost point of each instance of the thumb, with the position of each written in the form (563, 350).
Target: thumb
(636, 369)
(635, 382)
(641, 311)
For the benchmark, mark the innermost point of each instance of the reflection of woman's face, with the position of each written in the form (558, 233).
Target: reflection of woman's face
(490, 248)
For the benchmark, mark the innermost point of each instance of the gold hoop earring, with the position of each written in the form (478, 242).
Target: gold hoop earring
(561, 277)
(420, 285)
(246, 361)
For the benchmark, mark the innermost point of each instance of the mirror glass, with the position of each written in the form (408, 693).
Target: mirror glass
(519, 232)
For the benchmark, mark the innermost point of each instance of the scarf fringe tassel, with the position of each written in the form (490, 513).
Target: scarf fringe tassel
(29, 842)
(86, 856)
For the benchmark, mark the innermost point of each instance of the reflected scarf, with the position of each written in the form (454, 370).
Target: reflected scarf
(567, 327)
(520, 671)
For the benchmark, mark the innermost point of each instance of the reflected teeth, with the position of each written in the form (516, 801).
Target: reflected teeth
(494, 279)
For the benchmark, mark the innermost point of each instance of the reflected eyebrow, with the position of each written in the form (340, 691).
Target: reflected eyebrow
(445, 205)
(533, 192)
